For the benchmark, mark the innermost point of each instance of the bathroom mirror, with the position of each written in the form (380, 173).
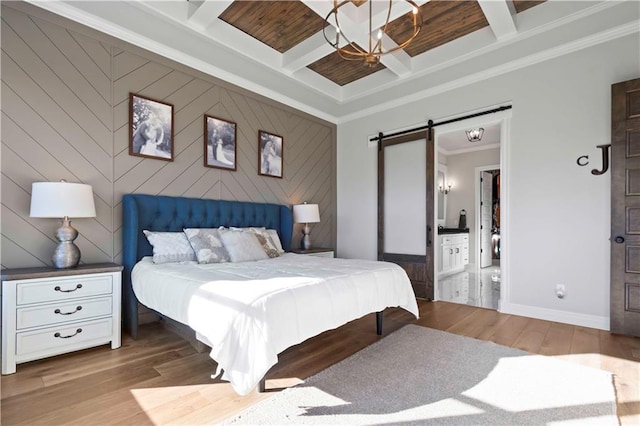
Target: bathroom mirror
(442, 199)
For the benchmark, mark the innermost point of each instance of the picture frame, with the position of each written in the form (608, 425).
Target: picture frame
(220, 147)
(150, 128)
(270, 154)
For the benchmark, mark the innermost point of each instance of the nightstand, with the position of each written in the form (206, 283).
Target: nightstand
(48, 311)
(315, 251)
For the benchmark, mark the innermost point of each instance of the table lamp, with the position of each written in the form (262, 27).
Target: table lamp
(306, 213)
(63, 200)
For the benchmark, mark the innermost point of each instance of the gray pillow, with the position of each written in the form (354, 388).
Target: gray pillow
(207, 245)
(170, 247)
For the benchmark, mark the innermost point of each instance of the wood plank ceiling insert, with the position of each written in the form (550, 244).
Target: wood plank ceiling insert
(282, 25)
(443, 21)
(278, 24)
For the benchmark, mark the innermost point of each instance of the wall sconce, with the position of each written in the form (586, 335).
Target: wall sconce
(475, 135)
(443, 190)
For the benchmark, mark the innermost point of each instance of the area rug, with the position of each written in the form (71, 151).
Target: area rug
(422, 376)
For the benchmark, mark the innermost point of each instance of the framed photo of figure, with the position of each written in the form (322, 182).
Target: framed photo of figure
(219, 143)
(270, 149)
(151, 128)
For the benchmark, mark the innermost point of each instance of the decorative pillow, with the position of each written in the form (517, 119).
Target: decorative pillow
(268, 244)
(242, 246)
(276, 240)
(267, 237)
(207, 245)
(170, 247)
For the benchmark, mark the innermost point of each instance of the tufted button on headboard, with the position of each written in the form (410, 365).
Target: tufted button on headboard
(173, 214)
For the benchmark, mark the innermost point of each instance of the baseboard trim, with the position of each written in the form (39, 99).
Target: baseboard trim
(584, 320)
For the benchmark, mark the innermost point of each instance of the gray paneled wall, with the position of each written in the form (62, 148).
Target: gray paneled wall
(65, 112)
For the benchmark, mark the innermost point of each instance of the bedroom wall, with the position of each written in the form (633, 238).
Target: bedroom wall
(65, 95)
(559, 213)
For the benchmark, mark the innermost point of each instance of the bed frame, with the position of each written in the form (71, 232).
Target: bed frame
(172, 214)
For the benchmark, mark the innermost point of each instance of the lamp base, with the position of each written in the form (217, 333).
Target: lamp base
(66, 254)
(305, 243)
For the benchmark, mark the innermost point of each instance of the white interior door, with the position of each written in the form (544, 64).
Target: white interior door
(486, 205)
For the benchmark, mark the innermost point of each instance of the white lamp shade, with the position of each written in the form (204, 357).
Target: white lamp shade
(60, 199)
(306, 213)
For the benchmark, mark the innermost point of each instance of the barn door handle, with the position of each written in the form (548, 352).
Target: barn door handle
(619, 239)
(428, 236)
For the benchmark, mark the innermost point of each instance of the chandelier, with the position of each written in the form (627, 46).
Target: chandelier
(373, 37)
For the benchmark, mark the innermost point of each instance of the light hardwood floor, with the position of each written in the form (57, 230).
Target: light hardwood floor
(161, 379)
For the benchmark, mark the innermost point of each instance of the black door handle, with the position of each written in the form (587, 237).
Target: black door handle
(619, 239)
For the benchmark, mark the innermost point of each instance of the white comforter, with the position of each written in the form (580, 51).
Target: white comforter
(249, 312)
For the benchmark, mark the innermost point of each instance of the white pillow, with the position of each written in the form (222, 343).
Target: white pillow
(242, 246)
(170, 247)
(207, 245)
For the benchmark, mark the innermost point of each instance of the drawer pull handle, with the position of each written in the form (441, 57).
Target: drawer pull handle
(78, 308)
(66, 337)
(57, 288)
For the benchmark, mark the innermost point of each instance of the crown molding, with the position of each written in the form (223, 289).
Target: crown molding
(574, 46)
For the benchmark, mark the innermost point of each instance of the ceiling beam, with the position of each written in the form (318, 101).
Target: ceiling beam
(208, 12)
(501, 15)
(306, 52)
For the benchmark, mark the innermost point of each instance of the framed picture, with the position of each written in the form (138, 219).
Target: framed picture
(270, 148)
(151, 128)
(219, 143)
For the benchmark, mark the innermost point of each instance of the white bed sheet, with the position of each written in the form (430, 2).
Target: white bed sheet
(249, 312)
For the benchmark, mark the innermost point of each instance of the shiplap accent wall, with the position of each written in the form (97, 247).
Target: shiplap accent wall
(65, 112)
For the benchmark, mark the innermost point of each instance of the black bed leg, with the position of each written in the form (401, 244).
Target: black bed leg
(379, 323)
(262, 384)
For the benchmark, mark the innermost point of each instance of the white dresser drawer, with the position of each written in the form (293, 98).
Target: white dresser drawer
(55, 313)
(54, 340)
(35, 291)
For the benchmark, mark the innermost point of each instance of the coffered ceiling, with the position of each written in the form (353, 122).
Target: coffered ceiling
(277, 48)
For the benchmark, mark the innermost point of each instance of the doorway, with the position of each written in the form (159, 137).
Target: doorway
(479, 282)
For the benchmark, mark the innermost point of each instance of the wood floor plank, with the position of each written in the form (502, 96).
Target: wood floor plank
(161, 379)
(476, 323)
(558, 339)
(532, 336)
(21, 408)
(507, 333)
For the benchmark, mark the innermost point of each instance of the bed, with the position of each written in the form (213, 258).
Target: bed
(247, 312)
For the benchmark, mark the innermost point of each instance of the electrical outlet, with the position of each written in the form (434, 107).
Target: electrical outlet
(560, 291)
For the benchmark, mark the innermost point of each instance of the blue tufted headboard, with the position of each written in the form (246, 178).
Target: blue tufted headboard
(172, 214)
